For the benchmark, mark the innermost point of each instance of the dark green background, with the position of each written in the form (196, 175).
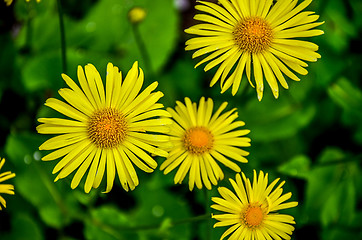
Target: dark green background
(311, 136)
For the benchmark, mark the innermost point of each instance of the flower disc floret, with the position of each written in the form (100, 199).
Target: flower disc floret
(198, 140)
(253, 34)
(253, 216)
(107, 128)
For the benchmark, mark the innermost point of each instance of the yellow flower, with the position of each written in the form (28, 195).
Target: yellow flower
(5, 188)
(257, 36)
(251, 212)
(8, 2)
(109, 129)
(199, 138)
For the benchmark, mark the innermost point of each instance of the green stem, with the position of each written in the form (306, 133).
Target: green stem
(28, 34)
(207, 209)
(52, 189)
(142, 47)
(115, 232)
(192, 219)
(62, 37)
(26, 49)
(113, 229)
(173, 223)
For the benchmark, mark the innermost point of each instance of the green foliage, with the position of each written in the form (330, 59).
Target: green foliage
(285, 118)
(345, 94)
(298, 166)
(24, 227)
(311, 136)
(39, 70)
(105, 220)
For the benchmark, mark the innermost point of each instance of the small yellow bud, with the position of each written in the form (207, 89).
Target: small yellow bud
(136, 15)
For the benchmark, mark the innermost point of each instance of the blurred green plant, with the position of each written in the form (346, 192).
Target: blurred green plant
(311, 136)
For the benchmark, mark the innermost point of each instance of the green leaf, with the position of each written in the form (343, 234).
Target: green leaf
(43, 72)
(51, 215)
(281, 118)
(110, 215)
(156, 206)
(330, 155)
(321, 184)
(34, 182)
(340, 206)
(330, 188)
(35, 186)
(346, 95)
(85, 198)
(338, 28)
(326, 70)
(298, 166)
(107, 223)
(349, 97)
(112, 33)
(22, 148)
(102, 27)
(24, 227)
(160, 45)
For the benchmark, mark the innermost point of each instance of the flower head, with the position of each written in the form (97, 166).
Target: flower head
(201, 139)
(252, 210)
(109, 129)
(5, 188)
(257, 36)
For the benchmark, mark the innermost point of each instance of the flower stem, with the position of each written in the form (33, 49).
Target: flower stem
(28, 34)
(207, 209)
(62, 37)
(51, 189)
(191, 219)
(156, 225)
(173, 223)
(142, 47)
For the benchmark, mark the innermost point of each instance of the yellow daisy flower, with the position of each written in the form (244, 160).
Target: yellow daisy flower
(5, 188)
(258, 35)
(251, 212)
(109, 128)
(199, 138)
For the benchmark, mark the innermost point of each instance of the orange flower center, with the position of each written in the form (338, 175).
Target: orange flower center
(198, 140)
(253, 216)
(253, 34)
(107, 128)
